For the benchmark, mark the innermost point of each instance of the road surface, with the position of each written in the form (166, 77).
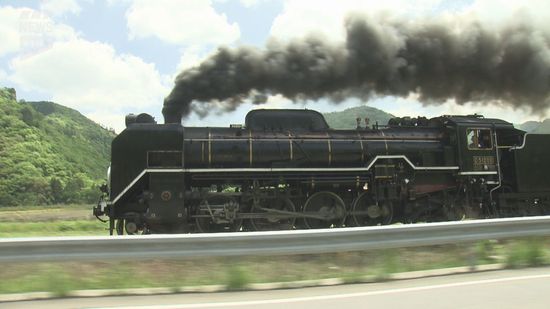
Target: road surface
(526, 288)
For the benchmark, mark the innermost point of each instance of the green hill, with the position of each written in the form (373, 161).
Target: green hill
(528, 126)
(49, 153)
(544, 127)
(540, 127)
(346, 119)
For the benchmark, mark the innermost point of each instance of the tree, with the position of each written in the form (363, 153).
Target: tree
(56, 187)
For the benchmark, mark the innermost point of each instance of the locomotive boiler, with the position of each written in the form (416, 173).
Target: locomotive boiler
(286, 169)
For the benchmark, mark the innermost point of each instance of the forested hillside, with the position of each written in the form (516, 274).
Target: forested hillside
(49, 153)
(346, 119)
(536, 126)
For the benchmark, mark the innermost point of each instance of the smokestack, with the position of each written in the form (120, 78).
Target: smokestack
(171, 112)
(437, 59)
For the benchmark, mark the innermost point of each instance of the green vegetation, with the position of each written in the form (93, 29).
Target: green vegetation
(485, 250)
(526, 252)
(51, 220)
(347, 119)
(238, 277)
(53, 228)
(239, 272)
(49, 154)
(44, 208)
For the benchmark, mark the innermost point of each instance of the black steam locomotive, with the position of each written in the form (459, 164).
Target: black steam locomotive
(286, 169)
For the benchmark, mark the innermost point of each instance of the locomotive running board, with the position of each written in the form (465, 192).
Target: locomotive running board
(321, 169)
(303, 169)
(478, 173)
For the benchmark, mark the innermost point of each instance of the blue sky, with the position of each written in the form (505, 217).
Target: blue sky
(107, 58)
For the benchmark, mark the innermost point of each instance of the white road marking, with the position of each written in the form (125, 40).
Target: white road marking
(336, 296)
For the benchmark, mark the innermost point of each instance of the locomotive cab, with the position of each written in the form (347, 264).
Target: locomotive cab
(478, 144)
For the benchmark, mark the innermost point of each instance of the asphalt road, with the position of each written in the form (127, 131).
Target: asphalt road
(526, 288)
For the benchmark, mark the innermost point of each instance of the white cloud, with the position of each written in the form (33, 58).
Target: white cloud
(3, 76)
(51, 59)
(192, 56)
(60, 7)
(111, 3)
(91, 77)
(28, 31)
(251, 3)
(193, 22)
(302, 17)
(276, 101)
(496, 11)
(109, 119)
(9, 32)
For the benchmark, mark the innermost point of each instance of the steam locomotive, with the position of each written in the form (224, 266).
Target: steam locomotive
(286, 169)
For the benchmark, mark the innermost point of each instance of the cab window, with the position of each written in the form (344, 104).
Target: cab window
(479, 139)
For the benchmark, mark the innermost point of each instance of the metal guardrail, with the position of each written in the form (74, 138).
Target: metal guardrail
(266, 243)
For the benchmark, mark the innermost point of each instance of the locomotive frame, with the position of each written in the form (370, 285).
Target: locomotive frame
(287, 169)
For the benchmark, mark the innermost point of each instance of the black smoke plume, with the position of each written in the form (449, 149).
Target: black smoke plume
(437, 59)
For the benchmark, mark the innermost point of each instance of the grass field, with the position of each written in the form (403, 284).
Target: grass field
(238, 272)
(55, 220)
(53, 228)
(46, 213)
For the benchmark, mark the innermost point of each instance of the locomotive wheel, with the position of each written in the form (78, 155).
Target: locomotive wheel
(271, 224)
(328, 206)
(130, 225)
(127, 227)
(208, 224)
(366, 212)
